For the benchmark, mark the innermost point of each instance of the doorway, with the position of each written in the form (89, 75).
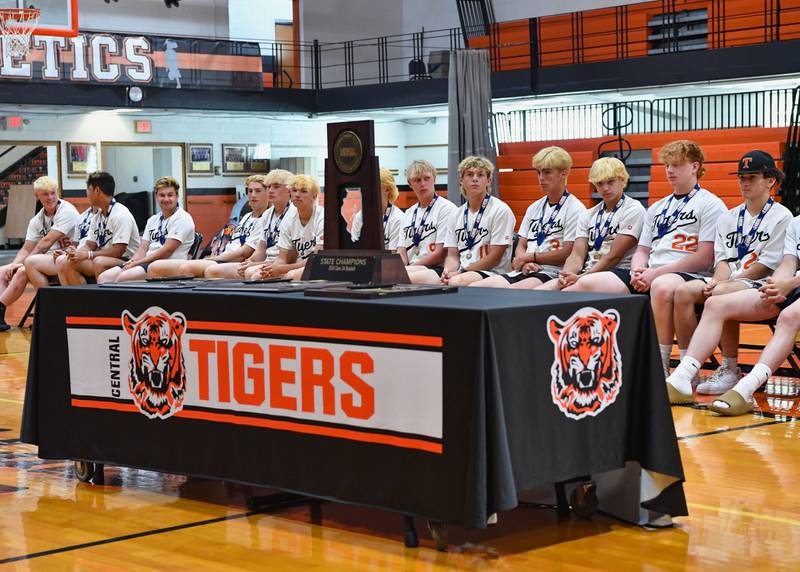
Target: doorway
(21, 163)
(136, 166)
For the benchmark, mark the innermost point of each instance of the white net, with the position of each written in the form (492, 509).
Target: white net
(16, 27)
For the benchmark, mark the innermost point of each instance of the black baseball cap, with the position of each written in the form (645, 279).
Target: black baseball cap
(756, 161)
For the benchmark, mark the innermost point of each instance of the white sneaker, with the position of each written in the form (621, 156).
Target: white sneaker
(722, 380)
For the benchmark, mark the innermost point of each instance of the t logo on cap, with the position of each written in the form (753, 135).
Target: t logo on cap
(746, 162)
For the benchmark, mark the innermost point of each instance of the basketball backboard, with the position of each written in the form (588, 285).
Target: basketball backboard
(57, 17)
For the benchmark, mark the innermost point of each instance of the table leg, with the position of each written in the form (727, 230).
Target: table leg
(439, 534)
(410, 534)
(99, 477)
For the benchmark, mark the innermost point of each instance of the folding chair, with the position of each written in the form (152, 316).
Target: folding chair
(29, 312)
(194, 251)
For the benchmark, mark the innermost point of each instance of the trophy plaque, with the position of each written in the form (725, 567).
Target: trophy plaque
(352, 185)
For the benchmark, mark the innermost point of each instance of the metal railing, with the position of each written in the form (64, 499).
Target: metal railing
(768, 108)
(606, 34)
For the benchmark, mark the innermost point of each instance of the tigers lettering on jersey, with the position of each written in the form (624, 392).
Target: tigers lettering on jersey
(684, 219)
(480, 234)
(760, 236)
(304, 247)
(429, 229)
(554, 229)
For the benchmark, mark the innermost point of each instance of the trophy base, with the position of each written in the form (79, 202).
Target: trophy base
(357, 266)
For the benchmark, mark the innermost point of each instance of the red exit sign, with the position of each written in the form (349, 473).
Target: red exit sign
(143, 126)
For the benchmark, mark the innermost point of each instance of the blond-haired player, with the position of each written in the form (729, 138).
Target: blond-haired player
(301, 233)
(480, 231)
(53, 223)
(547, 231)
(676, 245)
(392, 215)
(751, 242)
(607, 233)
(265, 245)
(168, 235)
(240, 247)
(424, 224)
(41, 268)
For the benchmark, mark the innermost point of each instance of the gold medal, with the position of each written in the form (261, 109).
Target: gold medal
(415, 251)
(469, 255)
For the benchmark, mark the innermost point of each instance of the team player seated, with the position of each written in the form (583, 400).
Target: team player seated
(741, 236)
(480, 232)
(547, 231)
(392, 215)
(747, 248)
(424, 225)
(113, 236)
(676, 245)
(167, 235)
(241, 246)
(41, 268)
(53, 223)
(300, 234)
(607, 233)
(266, 244)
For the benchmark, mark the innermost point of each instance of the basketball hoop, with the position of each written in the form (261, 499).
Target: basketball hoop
(16, 27)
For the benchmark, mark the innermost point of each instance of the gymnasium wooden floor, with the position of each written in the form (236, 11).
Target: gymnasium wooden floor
(743, 490)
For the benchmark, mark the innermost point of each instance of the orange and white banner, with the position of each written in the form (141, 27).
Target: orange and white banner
(385, 389)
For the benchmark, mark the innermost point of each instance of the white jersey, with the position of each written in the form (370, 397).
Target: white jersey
(628, 220)
(118, 227)
(180, 226)
(766, 248)
(496, 228)
(249, 227)
(302, 239)
(81, 233)
(433, 232)
(791, 244)
(556, 230)
(270, 230)
(64, 220)
(696, 222)
(391, 227)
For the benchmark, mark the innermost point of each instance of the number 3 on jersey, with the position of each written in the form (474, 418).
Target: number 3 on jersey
(685, 242)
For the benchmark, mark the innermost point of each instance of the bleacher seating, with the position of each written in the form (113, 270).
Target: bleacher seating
(519, 185)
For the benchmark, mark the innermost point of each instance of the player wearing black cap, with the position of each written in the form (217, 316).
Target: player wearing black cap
(758, 175)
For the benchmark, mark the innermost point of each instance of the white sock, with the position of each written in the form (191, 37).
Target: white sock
(682, 353)
(681, 378)
(730, 362)
(665, 353)
(748, 384)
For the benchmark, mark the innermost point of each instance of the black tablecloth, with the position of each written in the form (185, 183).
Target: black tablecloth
(501, 430)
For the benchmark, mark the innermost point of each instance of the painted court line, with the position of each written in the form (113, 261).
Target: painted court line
(126, 537)
(729, 429)
(754, 515)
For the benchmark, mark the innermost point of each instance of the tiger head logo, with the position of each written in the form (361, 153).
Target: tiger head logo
(587, 370)
(158, 376)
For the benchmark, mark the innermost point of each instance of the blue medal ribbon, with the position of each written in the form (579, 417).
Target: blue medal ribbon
(272, 230)
(544, 229)
(600, 235)
(470, 236)
(162, 234)
(85, 224)
(45, 228)
(101, 224)
(665, 222)
(244, 227)
(742, 243)
(416, 237)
